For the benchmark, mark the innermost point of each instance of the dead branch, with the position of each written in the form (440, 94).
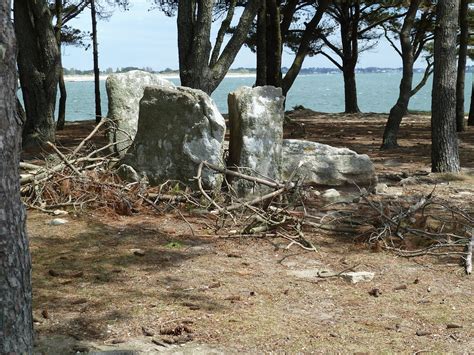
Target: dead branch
(468, 262)
(204, 193)
(225, 171)
(253, 202)
(92, 134)
(28, 166)
(64, 159)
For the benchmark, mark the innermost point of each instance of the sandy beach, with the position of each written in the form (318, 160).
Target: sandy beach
(76, 78)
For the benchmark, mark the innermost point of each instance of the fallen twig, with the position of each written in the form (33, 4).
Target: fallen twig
(64, 159)
(470, 247)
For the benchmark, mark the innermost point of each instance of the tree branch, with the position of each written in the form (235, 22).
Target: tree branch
(222, 31)
(426, 75)
(332, 60)
(391, 42)
(330, 45)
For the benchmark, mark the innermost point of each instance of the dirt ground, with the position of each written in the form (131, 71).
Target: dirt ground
(149, 283)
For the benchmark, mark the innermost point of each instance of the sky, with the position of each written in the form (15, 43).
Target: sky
(142, 38)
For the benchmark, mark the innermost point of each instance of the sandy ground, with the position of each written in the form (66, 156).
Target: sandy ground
(204, 292)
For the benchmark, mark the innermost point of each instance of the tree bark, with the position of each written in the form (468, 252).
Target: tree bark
(408, 58)
(461, 76)
(39, 66)
(194, 30)
(350, 89)
(95, 53)
(20, 112)
(62, 84)
(16, 321)
(62, 101)
(274, 43)
(470, 120)
(261, 79)
(444, 150)
(350, 53)
(308, 36)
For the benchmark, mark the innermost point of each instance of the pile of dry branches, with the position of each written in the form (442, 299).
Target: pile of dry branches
(410, 226)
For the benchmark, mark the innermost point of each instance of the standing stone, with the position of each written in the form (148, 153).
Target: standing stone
(326, 165)
(256, 133)
(177, 129)
(124, 93)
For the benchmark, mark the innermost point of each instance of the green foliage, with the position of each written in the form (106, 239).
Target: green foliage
(174, 245)
(75, 37)
(422, 33)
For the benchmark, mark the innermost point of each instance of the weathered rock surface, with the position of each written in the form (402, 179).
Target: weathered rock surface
(256, 132)
(128, 173)
(331, 194)
(177, 129)
(326, 165)
(124, 93)
(358, 276)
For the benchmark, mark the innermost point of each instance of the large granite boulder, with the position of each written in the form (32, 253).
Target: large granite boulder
(326, 165)
(256, 133)
(124, 92)
(177, 129)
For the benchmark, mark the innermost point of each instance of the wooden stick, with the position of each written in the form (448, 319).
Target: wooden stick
(64, 159)
(94, 131)
(470, 247)
(252, 202)
(28, 166)
(204, 193)
(226, 171)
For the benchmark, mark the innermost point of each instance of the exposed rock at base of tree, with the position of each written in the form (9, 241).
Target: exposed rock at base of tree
(256, 132)
(124, 92)
(128, 173)
(178, 128)
(326, 165)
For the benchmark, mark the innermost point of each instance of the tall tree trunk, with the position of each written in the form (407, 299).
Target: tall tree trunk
(194, 30)
(470, 120)
(95, 53)
(461, 77)
(261, 78)
(444, 150)
(400, 108)
(308, 36)
(349, 39)
(62, 101)
(274, 43)
(39, 66)
(16, 321)
(350, 90)
(194, 45)
(20, 112)
(62, 84)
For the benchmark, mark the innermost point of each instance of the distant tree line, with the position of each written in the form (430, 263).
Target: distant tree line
(303, 71)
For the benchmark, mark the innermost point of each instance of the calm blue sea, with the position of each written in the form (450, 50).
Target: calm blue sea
(319, 92)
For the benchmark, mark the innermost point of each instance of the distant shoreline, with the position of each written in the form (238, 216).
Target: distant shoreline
(79, 78)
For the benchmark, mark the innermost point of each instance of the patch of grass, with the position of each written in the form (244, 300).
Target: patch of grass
(174, 245)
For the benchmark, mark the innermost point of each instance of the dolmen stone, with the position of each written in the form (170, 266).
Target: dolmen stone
(124, 92)
(178, 128)
(256, 132)
(326, 165)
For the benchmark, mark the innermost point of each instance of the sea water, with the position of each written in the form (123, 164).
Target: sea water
(377, 92)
